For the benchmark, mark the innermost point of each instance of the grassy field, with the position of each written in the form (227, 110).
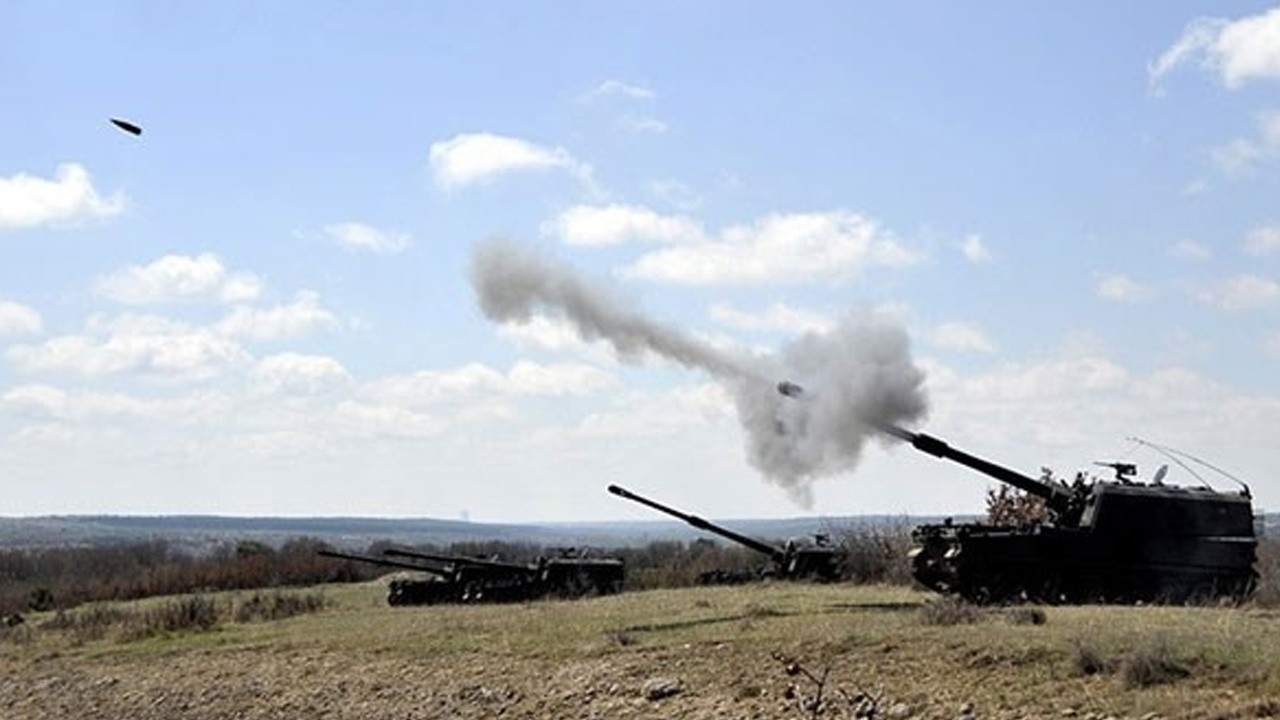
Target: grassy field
(760, 651)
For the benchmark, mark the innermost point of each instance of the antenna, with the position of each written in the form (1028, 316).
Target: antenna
(1177, 455)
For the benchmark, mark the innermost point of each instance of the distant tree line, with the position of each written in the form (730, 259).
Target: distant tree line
(48, 579)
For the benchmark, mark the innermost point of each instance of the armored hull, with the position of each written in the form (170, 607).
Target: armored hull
(1130, 542)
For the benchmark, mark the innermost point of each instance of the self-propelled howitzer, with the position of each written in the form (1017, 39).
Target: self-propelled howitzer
(818, 562)
(567, 574)
(1101, 540)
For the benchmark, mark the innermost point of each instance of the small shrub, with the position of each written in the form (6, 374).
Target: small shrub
(622, 638)
(196, 613)
(278, 606)
(87, 623)
(1027, 616)
(948, 611)
(1086, 659)
(1151, 664)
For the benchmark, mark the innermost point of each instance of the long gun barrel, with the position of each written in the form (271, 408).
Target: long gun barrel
(456, 559)
(382, 561)
(1056, 498)
(776, 554)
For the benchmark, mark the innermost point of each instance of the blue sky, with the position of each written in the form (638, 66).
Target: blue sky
(262, 306)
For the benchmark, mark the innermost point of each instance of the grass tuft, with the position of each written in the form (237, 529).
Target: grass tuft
(949, 611)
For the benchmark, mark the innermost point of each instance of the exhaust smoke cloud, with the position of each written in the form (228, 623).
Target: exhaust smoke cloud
(855, 378)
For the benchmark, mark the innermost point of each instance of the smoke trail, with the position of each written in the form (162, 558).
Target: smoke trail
(857, 377)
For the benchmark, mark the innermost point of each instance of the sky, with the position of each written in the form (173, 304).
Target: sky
(265, 303)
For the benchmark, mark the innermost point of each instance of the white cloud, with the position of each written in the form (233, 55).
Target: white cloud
(469, 159)
(134, 344)
(639, 124)
(665, 414)
(431, 387)
(556, 335)
(356, 236)
(974, 250)
(1238, 51)
(779, 248)
(618, 88)
(1263, 240)
(961, 337)
(50, 403)
(596, 225)
(368, 420)
(1122, 289)
(70, 198)
(1241, 156)
(18, 319)
(299, 318)
(1189, 250)
(1243, 292)
(778, 317)
(180, 277)
(296, 374)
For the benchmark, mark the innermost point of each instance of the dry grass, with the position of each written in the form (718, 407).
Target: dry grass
(362, 659)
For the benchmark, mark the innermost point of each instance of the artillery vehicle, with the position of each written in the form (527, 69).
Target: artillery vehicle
(567, 574)
(1101, 540)
(820, 561)
(443, 588)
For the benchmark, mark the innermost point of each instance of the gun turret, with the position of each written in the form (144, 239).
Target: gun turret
(778, 555)
(384, 562)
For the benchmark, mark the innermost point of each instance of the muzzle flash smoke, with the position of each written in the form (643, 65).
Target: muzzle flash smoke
(861, 372)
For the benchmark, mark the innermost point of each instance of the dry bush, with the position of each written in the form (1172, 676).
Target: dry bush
(87, 623)
(1268, 590)
(877, 554)
(1026, 616)
(195, 613)
(1008, 506)
(1152, 663)
(948, 611)
(1086, 659)
(278, 605)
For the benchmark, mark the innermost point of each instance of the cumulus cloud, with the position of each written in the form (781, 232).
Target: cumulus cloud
(974, 250)
(46, 402)
(554, 335)
(18, 319)
(961, 337)
(360, 237)
(779, 248)
(68, 199)
(1238, 51)
(430, 387)
(1242, 292)
(618, 88)
(596, 225)
(778, 317)
(180, 278)
(1122, 289)
(296, 374)
(1189, 250)
(1263, 240)
(134, 344)
(303, 316)
(469, 159)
